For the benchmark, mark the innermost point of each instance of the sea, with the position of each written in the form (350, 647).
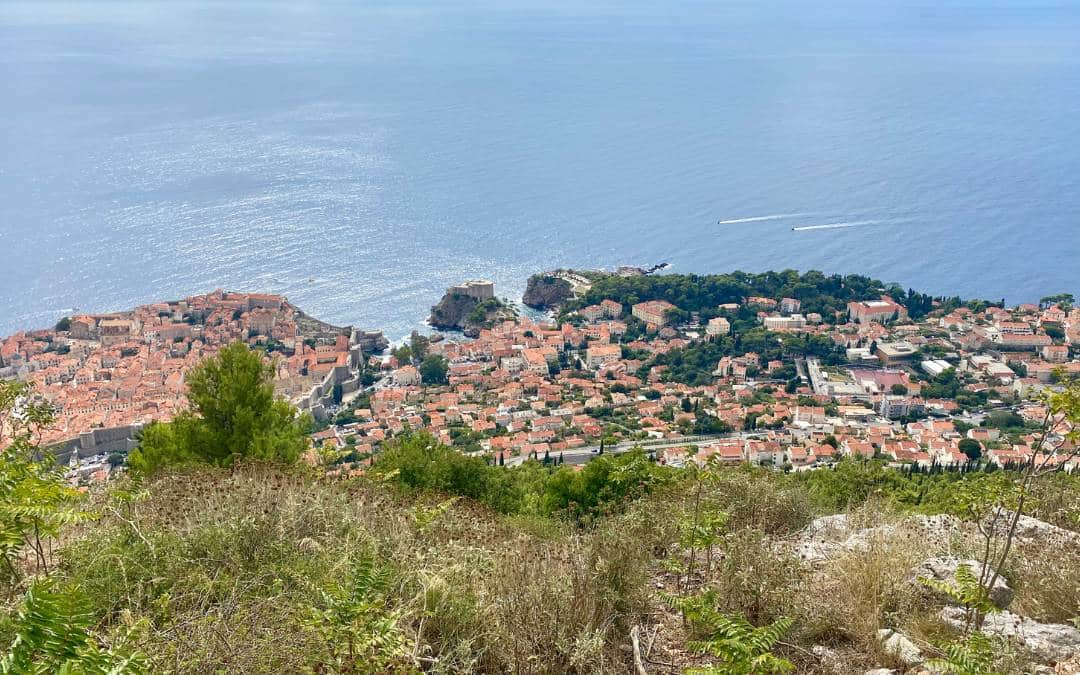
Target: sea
(359, 157)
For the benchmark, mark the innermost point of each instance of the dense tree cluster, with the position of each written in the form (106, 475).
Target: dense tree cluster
(950, 385)
(233, 416)
(853, 481)
(540, 487)
(824, 294)
(434, 369)
(818, 292)
(695, 363)
(1065, 299)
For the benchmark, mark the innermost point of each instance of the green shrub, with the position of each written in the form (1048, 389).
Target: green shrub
(54, 633)
(742, 648)
(418, 462)
(234, 415)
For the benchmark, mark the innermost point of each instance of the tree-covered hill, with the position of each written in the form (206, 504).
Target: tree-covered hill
(818, 292)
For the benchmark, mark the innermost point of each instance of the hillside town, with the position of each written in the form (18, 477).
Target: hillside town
(956, 385)
(952, 387)
(107, 375)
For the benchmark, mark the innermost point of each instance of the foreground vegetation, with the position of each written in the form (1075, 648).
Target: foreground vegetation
(259, 568)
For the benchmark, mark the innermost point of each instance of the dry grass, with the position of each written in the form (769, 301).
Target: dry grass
(867, 589)
(1047, 583)
(222, 565)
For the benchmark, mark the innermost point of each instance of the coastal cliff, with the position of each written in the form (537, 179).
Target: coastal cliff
(546, 291)
(549, 290)
(468, 308)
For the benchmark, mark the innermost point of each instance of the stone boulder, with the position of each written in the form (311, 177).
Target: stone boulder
(1037, 532)
(830, 536)
(812, 552)
(900, 646)
(943, 568)
(1068, 667)
(1048, 641)
(828, 658)
(820, 541)
(940, 528)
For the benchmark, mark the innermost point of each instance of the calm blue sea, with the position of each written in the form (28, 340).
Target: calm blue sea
(361, 156)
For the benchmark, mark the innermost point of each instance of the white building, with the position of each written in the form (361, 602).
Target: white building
(718, 326)
(793, 322)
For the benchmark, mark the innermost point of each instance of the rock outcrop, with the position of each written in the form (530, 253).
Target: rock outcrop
(450, 312)
(822, 538)
(1067, 667)
(1048, 641)
(830, 536)
(944, 568)
(546, 291)
(468, 308)
(900, 647)
(1037, 532)
(828, 658)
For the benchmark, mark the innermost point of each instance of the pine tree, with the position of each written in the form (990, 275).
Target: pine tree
(234, 415)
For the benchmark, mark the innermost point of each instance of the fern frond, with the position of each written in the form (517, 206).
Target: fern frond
(965, 590)
(744, 648)
(973, 656)
(53, 634)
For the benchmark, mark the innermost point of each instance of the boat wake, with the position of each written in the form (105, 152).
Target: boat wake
(759, 219)
(836, 226)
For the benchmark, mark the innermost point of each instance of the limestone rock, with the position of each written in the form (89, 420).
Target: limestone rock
(815, 551)
(829, 536)
(545, 291)
(834, 527)
(863, 540)
(938, 528)
(1034, 531)
(900, 646)
(821, 539)
(944, 568)
(1048, 641)
(828, 657)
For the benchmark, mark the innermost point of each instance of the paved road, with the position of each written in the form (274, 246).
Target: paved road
(800, 368)
(584, 454)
